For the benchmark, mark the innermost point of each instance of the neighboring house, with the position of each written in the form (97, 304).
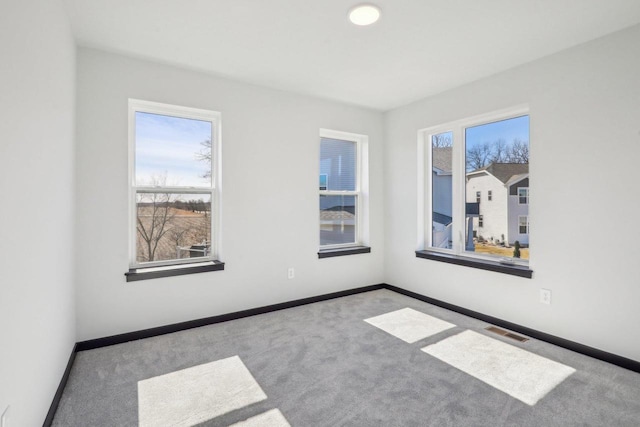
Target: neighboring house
(442, 202)
(502, 191)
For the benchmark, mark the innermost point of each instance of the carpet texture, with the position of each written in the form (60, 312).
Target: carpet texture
(272, 418)
(322, 365)
(409, 325)
(523, 375)
(190, 396)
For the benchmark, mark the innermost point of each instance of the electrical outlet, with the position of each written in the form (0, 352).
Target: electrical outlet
(4, 418)
(545, 296)
(291, 273)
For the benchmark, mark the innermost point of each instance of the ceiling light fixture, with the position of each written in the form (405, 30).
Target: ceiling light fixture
(365, 14)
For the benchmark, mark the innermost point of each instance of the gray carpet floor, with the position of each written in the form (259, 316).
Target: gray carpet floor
(322, 365)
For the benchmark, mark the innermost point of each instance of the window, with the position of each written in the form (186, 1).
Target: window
(523, 195)
(342, 195)
(458, 162)
(174, 176)
(523, 224)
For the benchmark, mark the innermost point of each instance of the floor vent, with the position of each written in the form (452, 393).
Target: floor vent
(506, 334)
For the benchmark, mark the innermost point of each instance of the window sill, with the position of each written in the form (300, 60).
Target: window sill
(146, 273)
(353, 250)
(499, 267)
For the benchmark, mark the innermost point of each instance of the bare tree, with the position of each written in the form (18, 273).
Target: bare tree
(519, 152)
(154, 217)
(500, 151)
(479, 156)
(441, 140)
(205, 155)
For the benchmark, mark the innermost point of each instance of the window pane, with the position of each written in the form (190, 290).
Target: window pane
(172, 226)
(172, 151)
(337, 220)
(441, 190)
(338, 164)
(497, 162)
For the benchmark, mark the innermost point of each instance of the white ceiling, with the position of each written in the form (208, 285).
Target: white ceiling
(417, 49)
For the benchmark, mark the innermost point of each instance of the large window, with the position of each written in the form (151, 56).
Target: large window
(342, 190)
(459, 162)
(174, 176)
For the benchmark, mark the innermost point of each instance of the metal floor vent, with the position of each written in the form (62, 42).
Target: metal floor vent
(504, 333)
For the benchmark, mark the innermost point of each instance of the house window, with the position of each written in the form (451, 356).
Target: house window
(174, 185)
(523, 195)
(494, 157)
(342, 195)
(523, 224)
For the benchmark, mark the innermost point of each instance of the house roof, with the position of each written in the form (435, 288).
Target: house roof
(441, 218)
(442, 158)
(504, 171)
(516, 178)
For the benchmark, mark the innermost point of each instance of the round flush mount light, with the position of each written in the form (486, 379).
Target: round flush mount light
(365, 14)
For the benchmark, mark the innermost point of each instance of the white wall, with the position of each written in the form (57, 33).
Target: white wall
(270, 154)
(585, 149)
(37, 322)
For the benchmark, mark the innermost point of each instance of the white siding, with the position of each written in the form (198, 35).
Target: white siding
(442, 194)
(515, 210)
(494, 212)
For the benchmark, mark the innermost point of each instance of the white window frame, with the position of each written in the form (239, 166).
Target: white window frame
(489, 195)
(527, 224)
(361, 192)
(136, 105)
(526, 190)
(457, 128)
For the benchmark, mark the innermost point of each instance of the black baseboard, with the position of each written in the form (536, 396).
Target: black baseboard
(614, 359)
(176, 327)
(63, 383)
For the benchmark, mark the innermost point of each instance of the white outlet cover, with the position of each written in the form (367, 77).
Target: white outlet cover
(545, 296)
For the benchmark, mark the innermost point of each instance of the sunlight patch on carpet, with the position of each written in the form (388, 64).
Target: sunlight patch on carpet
(519, 373)
(409, 325)
(194, 395)
(272, 418)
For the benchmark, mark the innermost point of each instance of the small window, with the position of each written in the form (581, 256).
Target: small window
(341, 197)
(478, 196)
(489, 195)
(480, 221)
(523, 195)
(523, 224)
(174, 171)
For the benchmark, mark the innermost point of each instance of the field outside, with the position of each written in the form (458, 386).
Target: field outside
(181, 229)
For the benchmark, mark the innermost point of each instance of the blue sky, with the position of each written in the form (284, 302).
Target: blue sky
(168, 146)
(516, 128)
